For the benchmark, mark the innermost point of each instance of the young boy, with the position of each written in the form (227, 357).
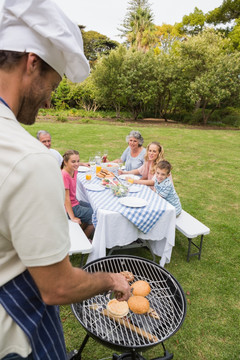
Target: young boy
(164, 187)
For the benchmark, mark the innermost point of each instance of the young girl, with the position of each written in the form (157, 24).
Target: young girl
(78, 211)
(153, 155)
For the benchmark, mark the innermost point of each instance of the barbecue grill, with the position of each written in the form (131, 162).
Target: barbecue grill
(134, 333)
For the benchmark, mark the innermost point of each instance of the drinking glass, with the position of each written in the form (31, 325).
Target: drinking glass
(120, 164)
(98, 168)
(130, 180)
(92, 163)
(104, 157)
(88, 176)
(98, 157)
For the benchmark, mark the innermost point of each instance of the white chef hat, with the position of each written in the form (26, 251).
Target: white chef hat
(41, 27)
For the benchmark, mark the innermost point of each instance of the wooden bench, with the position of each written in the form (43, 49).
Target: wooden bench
(79, 241)
(191, 228)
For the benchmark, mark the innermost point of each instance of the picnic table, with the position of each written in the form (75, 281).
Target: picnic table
(120, 225)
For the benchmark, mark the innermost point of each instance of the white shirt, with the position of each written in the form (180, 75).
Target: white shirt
(57, 155)
(33, 222)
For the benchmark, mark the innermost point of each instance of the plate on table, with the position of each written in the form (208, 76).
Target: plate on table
(107, 183)
(104, 173)
(83, 168)
(134, 189)
(94, 187)
(124, 176)
(110, 166)
(133, 202)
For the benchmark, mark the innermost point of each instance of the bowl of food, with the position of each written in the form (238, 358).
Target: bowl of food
(110, 166)
(119, 190)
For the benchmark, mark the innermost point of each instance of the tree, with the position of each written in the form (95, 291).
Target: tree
(83, 95)
(106, 78)
(234, 35)
(138, 27)
(167, 35)
(60, 97)
(193, 23)
(143, 31)
(137, 81)
(134, 5)
(211, 71)
(218, 87)
(227, 18)
(97, 44)
(229, 10)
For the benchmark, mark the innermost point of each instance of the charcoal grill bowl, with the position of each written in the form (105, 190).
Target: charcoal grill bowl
(142, 269)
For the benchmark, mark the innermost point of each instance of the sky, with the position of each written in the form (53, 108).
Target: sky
(106, 16)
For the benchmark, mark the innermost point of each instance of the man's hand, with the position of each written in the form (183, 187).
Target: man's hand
(121, 287)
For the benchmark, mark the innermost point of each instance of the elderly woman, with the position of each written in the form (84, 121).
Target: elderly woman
(133, 156)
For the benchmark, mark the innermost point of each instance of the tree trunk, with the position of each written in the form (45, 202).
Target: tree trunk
(204, 116)
(197, 105)
(117, 109)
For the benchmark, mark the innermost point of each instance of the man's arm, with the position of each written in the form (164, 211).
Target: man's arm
(61, 283)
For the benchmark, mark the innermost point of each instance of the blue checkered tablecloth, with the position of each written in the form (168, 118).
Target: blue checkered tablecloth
(144, 218)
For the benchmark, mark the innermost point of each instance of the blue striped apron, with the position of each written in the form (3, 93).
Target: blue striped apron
(41, 323)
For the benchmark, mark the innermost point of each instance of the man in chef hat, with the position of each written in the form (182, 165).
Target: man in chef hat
(38, 45)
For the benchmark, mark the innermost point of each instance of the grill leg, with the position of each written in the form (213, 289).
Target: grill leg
(166, 356)
(78, 355)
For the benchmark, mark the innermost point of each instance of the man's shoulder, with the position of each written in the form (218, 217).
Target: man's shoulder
(19, 147)
(54, 151)
(57, 156)
(14, 134)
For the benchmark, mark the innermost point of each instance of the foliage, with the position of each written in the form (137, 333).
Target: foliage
(234, 35)
(138, 27)
(163, 84)
(133, 6)
(229, 10)
(69, 95)
(193, 23)
(167, 35)
(96, 44)
(106, 78)
(143, 31)
(181, 74)
(137, 80)
(60, 97)
(83, 95)
(214, 72)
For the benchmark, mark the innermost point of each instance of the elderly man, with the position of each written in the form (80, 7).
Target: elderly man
(45, 138)
(38, 44)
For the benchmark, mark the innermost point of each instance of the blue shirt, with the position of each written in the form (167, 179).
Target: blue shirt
(133, 162)
(166, 190)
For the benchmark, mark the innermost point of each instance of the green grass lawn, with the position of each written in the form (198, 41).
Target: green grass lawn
(206, 175)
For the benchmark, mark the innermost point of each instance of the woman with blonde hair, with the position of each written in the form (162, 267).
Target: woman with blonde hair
(154, 153)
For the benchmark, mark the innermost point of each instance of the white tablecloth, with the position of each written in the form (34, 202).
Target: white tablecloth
(114, 229)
